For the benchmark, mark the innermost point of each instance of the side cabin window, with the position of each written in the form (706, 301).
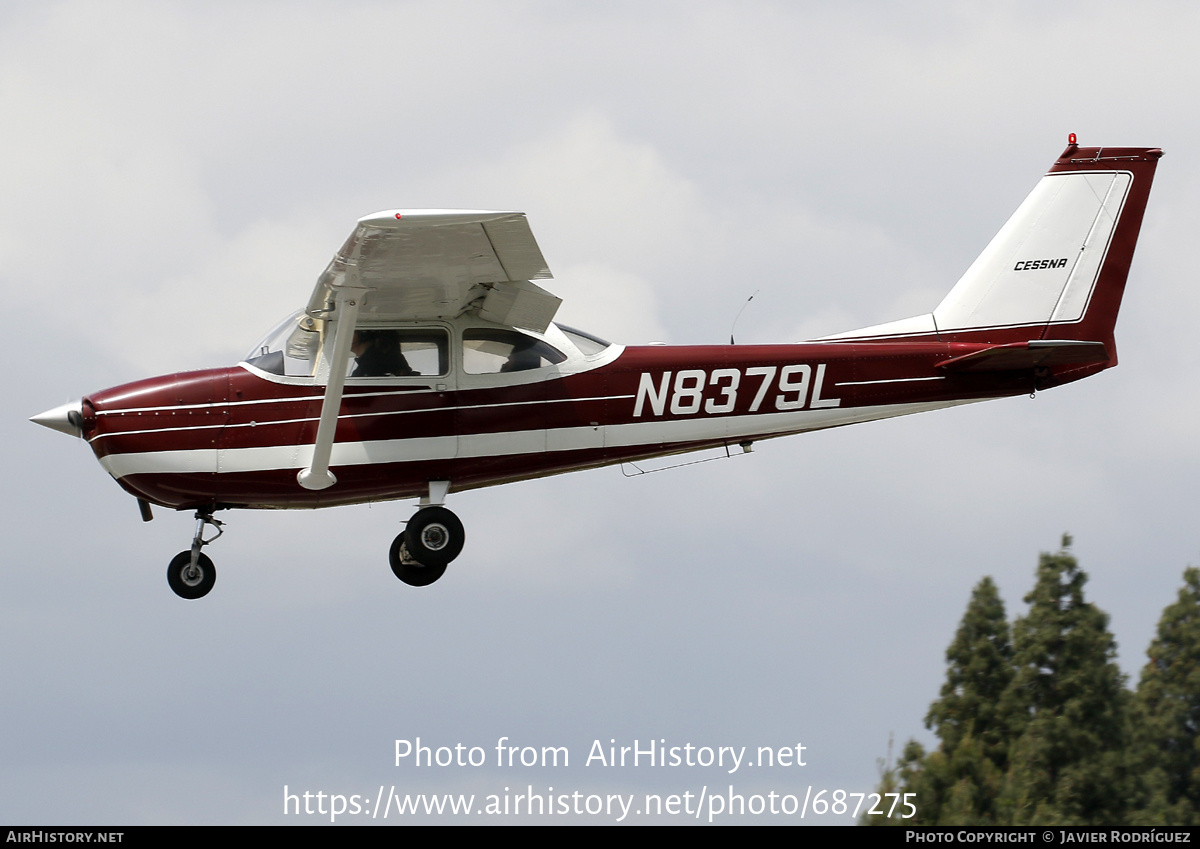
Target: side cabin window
(495, 351)
(399, 352)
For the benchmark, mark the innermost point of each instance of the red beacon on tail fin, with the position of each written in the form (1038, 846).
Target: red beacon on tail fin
(1055, 272)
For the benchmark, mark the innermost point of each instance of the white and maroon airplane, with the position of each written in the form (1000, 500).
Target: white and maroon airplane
(426, 362)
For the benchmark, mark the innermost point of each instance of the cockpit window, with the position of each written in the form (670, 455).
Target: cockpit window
(488, 351)
(289, 349)
(585, 342)
(399, 352)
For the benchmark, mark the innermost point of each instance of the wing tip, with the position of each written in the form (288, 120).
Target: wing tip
(427, 217)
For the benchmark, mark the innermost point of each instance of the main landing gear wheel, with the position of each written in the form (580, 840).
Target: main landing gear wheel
(409, 570)
(188, 581)
(434, 536)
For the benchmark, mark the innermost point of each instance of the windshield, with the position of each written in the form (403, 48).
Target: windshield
(289, 349)
(585, 342)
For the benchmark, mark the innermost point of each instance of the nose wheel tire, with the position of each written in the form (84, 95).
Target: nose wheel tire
(188, 582)
(434, 536)
(409, 570)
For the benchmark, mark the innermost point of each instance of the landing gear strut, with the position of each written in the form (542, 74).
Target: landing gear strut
(192, 574)
(432, 538)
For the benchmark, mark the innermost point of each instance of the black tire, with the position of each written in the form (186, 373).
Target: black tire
(434, 536)
(195, 585)
(409, 570)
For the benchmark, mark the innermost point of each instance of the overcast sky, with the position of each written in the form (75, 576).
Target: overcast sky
(173, 178)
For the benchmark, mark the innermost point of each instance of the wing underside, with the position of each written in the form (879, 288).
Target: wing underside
(426, 264)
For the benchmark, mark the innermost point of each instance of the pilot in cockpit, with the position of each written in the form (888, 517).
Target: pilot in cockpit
(377, 354)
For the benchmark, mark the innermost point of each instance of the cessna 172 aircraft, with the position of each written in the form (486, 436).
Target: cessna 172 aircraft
(427, 362)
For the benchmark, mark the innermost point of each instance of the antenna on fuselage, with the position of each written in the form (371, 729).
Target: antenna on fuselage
(739, 315)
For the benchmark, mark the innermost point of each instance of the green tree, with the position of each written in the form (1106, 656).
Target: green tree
(1067, 705)
(1166, 747)
(889, 782)
(978, 672)
(1036, 731)
(959, 781)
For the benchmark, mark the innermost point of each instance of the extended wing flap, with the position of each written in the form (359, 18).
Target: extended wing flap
(1022, 356)
(423, 264)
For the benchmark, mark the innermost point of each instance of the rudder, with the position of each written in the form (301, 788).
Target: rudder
(1057, 268)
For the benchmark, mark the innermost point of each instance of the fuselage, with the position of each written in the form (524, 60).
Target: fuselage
(236, 436)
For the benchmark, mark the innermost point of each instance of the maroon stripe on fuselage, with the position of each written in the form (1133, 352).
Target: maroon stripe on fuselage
(193, 405)
(221, 406)
(378, 482)
(219, 409)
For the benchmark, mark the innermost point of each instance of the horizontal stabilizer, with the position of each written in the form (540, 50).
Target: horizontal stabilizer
(1023, 356)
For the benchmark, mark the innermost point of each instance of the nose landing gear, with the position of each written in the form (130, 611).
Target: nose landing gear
(192, 574)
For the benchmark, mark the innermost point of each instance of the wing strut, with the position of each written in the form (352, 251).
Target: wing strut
(317, 475)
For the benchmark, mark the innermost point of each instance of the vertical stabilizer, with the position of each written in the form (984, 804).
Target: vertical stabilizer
(1057, 268)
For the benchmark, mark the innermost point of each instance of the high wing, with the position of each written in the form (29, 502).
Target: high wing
(402, 265)
(437, 263)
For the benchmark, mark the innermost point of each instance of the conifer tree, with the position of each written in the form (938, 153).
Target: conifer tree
(1036, 731)
(1067, 705)
(1167, 716)
(890, 781)
(959, 781)
(979, 669)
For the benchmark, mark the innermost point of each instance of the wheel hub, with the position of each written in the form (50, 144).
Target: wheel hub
(192, 576)
(435, 537)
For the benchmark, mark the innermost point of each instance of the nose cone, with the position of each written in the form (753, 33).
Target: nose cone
(68, 418)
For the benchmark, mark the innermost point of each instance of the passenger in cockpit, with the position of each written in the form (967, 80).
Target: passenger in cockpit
(524, 355)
